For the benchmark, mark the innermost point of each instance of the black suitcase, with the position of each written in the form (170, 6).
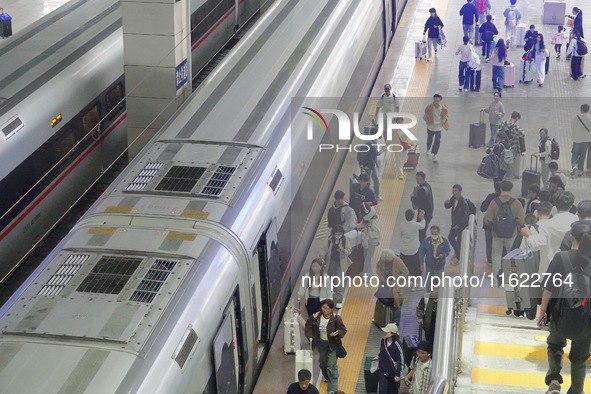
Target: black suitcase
(5, 24)
(518, 269)
(410, 344)
(547, 65)
(530, 176)
(475, 80)
(383, 314)
(371, 379)
(477, 133)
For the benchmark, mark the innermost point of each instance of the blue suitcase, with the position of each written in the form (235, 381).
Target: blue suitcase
(5, 24)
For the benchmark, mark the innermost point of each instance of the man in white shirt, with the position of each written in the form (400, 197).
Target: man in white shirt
(581, 128)
(465, 52)
(410, 242)
(552, 231)
(388, 101)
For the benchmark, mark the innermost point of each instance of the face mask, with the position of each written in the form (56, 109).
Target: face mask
(434, 237)
(338, 236)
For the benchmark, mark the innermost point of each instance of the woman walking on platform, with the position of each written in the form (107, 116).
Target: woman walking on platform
(499, 56)
(391, 360)
(540, 55)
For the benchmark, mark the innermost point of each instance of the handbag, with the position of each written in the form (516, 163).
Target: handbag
(405, 145)
(375, 365)
(526, 56)
(341, 351)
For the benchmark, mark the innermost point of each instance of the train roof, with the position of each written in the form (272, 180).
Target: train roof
(43, 50)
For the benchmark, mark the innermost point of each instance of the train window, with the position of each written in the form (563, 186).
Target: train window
(115, 101)
(90, 120)
(65, 143)
(198, 23)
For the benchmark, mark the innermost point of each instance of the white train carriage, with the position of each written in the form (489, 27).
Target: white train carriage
(172, 282)
(62, 108)
(58, 79)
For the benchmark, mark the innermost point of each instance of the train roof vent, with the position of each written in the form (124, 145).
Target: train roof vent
(12, 126)
(145, 176)
(182, 354)
(181, 179)
(218, 181)
(109, 275)
(63, 275)
(153, 281)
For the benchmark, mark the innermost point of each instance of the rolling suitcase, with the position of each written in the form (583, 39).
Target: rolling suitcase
(475, 79)
(357, 258)
(383, 314)
(520, 34)
(5, 24)
(412, 159)
(304, 360)
(526, 72)
(371, 379)
(530, 176)
(477, 137)
(410, 344)
(521, 291)
(420, 49)
(509, 81)
(477, 36)
(547, 65)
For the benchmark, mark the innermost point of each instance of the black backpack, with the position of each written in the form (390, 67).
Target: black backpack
(504, 224)
(581, 48)
(334, 216)
(572, 308)
(554, 150)
(471, 207)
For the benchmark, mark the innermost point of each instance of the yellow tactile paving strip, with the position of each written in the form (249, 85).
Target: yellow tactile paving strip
(359, 305)
(519, 378)
(523, 352)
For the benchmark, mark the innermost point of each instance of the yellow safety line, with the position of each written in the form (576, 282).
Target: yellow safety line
(523, 352)
(519, 378)
(494, 309)
(360, 302)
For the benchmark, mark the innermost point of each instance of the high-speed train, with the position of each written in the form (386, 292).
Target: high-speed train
(62, 108)
(174, 280)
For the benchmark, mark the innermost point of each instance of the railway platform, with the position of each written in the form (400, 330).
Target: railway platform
(499, 353)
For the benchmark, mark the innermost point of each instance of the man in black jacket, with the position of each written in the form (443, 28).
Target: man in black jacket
(459, 219)
(469, 18)
(422, 199)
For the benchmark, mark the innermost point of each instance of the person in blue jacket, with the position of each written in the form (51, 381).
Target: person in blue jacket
(469, 18)
(433, 253)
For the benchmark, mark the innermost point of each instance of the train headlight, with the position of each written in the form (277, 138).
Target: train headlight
(56, 120)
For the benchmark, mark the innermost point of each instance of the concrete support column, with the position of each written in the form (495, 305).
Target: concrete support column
(157, 45)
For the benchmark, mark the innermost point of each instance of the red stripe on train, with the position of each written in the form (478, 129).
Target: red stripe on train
(61, 178)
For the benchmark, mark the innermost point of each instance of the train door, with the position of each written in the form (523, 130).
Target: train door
(262, 287)
(227, 343)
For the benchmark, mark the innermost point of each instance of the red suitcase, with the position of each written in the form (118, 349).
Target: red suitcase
(509, 81)
(412, 160)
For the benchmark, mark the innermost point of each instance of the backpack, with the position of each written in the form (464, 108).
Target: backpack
(489, 167)
(554, 150)
(471, 207)
(487, 34)
(572, 308)
(504, 223)
(481, 6)
(511, 20)
(508, 159)
(334, 216)
(581, 47)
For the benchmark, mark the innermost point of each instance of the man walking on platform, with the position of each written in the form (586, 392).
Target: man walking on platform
(459, 219)
(581, 129)
(469, 16)
(422, 199)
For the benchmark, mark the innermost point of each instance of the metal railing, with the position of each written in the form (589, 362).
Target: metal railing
(449, 327)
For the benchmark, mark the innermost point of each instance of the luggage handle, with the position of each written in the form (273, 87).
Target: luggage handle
(531, 166)
(481, 116)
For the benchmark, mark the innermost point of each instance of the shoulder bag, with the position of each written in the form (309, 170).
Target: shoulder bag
(581, 120)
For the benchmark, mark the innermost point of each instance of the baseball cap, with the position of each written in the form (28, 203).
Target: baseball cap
(392, 327)
(387, 86)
